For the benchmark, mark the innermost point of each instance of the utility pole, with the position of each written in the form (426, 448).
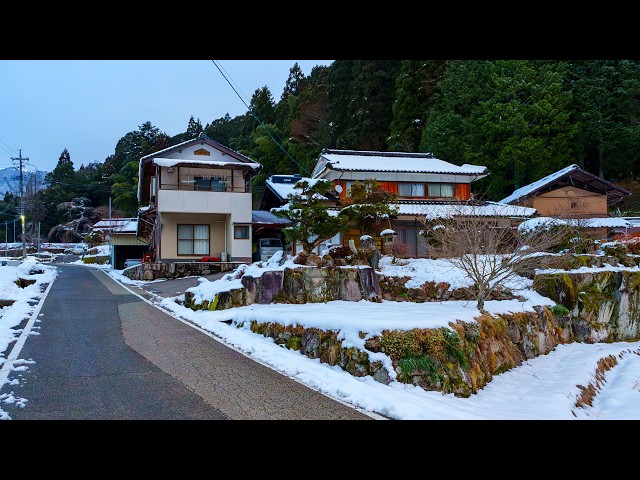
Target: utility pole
(22, 160)
(38, 239)
(109, 237)
(6, 238)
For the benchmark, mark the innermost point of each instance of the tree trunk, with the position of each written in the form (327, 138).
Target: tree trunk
(600, 158)
(481, 296)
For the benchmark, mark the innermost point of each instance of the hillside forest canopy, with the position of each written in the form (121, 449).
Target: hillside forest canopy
(523, 119)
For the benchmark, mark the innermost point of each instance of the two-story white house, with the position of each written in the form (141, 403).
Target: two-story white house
(196, 202)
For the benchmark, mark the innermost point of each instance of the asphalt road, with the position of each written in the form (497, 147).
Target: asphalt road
(103, 353)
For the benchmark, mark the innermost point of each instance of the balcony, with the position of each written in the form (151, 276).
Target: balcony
(207, 201)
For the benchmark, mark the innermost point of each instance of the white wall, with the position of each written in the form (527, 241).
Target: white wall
(237, 204)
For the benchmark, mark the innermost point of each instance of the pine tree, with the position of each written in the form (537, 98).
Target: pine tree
(362, 94)
(415, 85)
(262, 105)
(194, 128)
(509, 115)
(606, 110)
(369, 207)
(312, 223)
(294, 80)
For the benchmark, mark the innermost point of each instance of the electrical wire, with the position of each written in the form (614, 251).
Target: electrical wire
(246, 98)
(258, 120)
(14, 148)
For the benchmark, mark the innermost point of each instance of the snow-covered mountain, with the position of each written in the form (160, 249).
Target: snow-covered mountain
(10, 180)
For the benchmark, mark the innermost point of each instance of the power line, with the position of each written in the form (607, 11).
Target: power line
(229, 76)
(258, 120)
(244, 94)
(6, 153)
(14, 148)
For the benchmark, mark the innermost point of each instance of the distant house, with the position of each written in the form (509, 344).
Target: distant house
(197, 202)
(122, 234)
(573, 193)
(427, 188)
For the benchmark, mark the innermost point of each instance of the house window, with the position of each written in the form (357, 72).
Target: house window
(215, 184)
(347, 187)
(241, 232)
(193, 239)
(441, 190)
(411, 189)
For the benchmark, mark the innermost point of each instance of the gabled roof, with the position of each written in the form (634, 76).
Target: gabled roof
(202, 139)
(573, 176)
(283, 185)
(177, 162)
(401, 162)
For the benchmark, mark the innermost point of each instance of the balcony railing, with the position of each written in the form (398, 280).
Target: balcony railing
(191, 186)
(206, 180)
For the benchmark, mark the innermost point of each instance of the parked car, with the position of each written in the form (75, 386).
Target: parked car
(266, 247)
(132, 262)
(79, 249)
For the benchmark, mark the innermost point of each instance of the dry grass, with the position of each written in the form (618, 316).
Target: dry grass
(589, 392)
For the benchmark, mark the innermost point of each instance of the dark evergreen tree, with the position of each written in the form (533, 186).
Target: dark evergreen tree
(362, 94)
(308, 125)
(415, 85)
(294, 80)
(122, 168)
(222, 129)
(340, 94)
(511, 116)
(284, 109)
(194, 128)
(93, 183)
(606, 110)
(62, 187)
(263, 106)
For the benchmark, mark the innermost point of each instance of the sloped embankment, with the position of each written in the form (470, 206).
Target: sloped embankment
(460, 359)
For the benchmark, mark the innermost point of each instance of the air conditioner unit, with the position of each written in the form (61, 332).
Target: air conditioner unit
(223, 257)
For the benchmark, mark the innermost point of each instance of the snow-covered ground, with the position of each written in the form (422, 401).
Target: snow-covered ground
(542, 388)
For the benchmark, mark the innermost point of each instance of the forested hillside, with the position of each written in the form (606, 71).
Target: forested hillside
(523, 119)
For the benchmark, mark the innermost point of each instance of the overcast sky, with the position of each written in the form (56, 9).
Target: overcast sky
(86, 106)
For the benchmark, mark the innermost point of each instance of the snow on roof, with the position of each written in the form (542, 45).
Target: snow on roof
(172, 162)
(118, 225)
(201, 139)
(527, 189)
(546, 222)
(397, 162)
(283, 189)
(490, 209)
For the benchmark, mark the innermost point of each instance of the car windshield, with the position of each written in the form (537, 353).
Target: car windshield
(270, 242)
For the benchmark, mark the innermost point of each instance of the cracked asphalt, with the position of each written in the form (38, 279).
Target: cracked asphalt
(102, 353)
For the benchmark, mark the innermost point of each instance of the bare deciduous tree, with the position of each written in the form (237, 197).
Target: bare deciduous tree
(489, 249)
